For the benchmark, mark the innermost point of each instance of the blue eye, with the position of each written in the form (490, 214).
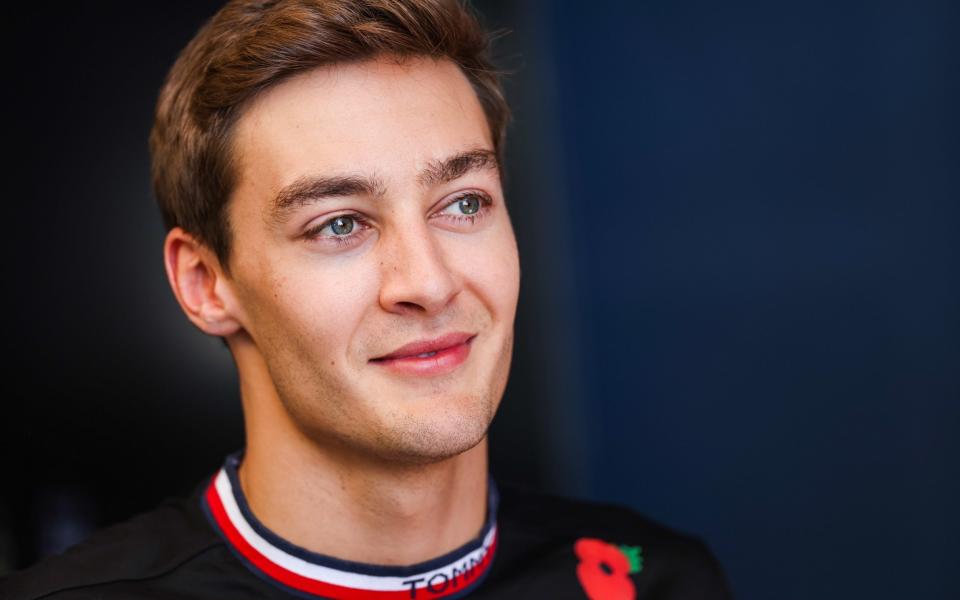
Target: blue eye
(342, 225)
(469, 205)
(343, 230)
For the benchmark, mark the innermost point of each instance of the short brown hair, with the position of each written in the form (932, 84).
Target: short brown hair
(250, 45)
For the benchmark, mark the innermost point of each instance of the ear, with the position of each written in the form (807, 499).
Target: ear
(197, 279)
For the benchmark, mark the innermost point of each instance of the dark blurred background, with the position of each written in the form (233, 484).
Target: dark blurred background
(739, 229)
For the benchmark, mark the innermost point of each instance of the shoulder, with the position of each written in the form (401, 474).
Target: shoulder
(147, 546)
(533, 509)
(674, 563)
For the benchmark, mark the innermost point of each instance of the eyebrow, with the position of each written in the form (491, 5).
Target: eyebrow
(313, 188)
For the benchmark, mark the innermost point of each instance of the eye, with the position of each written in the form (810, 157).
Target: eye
(467, 207)
(344, 230)
(342, 225)
(468, 204)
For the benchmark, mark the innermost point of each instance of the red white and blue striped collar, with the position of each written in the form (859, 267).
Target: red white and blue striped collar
(312, 575)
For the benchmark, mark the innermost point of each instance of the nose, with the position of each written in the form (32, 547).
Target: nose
(416, 277)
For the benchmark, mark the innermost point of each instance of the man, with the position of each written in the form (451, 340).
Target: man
(330, 175)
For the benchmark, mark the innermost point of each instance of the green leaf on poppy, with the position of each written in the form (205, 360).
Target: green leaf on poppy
(634, 554)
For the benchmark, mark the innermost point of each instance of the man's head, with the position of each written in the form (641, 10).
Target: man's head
(249, 46)
(330, 175)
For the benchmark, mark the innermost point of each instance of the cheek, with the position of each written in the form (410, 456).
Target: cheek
(496, 272)
(320, 304)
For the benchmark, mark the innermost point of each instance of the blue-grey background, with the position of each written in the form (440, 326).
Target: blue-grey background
(739, 238)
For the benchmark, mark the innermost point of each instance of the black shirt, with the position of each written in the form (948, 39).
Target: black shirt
(532, 546)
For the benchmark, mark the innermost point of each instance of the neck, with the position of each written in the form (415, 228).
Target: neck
(339, 503)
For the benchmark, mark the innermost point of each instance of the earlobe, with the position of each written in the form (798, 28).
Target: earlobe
(199, 284)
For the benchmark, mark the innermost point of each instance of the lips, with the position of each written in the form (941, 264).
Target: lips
(428, 358)
(427, 347)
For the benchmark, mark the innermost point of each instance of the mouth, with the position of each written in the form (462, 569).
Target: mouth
(428, 357)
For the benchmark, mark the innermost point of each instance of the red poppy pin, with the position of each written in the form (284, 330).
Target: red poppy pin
(604, 568)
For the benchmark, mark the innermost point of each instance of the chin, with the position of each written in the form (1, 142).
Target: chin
(391, 425)
(434, 436)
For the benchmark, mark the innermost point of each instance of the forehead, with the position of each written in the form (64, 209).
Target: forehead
(375, 116)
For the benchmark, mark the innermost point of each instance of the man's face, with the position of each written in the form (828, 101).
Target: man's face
(354, 235)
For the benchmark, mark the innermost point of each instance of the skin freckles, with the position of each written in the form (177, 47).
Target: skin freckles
(316, 313)
(313, 313)
(396, 463)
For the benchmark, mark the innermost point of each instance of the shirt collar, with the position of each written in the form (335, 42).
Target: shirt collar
(304, 572)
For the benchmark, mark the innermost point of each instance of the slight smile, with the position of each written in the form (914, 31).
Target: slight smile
(428, 358)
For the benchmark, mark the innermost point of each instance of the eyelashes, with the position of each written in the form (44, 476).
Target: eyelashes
(357, 221)
(359, 225)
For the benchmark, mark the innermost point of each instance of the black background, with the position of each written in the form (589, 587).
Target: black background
(738, 228)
